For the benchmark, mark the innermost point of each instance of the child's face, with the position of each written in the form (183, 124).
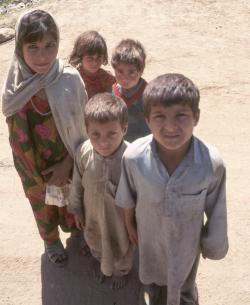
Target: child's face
(92, 63)
(40, 55)
(127, 75)
(172, 127)
(106, 137)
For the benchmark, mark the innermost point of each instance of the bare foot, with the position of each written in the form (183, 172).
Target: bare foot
(99, 277)
(118, 282)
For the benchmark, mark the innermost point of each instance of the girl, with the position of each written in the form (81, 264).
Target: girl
(88, 55)
(43, 101)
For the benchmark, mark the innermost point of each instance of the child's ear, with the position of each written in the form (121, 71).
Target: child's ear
(147, 120)
(125, 129)
(196, 117)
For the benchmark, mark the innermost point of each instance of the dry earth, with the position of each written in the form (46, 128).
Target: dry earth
(204, 39)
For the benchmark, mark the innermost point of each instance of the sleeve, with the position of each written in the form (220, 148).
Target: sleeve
(126, 191)
(214, 240)
(75, 205)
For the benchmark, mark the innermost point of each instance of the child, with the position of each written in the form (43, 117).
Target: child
(128, 61)
(168, 181)
(95, 179)
(88, 55)
(43, 101)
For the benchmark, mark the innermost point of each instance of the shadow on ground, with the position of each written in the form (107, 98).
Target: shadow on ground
(74, 285)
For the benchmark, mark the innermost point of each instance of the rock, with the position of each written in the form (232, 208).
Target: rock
(3, 10)
(6, 34)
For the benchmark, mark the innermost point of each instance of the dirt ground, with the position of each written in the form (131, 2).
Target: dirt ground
(207, 41)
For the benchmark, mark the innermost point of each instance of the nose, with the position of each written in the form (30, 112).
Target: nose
(126, 76)
(42, 54)
(170, 125)
(103, 142)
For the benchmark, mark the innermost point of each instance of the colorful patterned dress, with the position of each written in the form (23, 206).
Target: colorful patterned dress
(36, 145)
(100, 82)
(137, 126)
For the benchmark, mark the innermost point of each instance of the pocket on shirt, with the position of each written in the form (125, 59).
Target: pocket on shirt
(191, 204)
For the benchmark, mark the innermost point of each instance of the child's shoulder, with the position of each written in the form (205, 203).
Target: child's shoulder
(138, 148)
(208, 153)
(71, 75)
(106, 74)
(83, 150)
(70, 70)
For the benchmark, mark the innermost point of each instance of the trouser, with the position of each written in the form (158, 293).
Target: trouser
(157, 295)
(49, 217)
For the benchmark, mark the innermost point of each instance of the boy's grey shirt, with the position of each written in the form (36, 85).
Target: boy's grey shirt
(92, 195)
(170, 210)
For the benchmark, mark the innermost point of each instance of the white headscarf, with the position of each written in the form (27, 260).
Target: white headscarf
(64, 88)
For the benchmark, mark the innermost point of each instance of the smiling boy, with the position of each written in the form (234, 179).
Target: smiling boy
(169, 181)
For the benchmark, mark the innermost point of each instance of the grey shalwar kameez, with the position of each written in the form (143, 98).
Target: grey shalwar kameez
(170, 214)
(94, 185)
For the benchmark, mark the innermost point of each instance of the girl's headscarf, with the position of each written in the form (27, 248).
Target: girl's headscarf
(21, 84)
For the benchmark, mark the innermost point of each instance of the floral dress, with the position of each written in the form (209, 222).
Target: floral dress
(36, 145)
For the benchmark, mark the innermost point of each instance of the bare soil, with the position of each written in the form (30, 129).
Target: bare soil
(208, 41)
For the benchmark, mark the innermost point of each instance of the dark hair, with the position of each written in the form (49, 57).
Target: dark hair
(88, 43)
(129, 51)
(106, 107)
(33, 26)
(170, 89)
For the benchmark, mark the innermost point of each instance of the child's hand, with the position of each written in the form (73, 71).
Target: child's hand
(130, 222)
(132, 233)
(79, 222)
(60, 172)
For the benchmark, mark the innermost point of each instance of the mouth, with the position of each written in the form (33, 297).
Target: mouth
(104, 152)
(42, 66)
(171, 137)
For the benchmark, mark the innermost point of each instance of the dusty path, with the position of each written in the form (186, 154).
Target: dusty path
(209, 42)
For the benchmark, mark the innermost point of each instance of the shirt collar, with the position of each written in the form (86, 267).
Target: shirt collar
(114, 156)
(192, 156)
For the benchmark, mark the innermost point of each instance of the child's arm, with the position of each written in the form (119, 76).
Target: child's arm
(126, 198)
(214, 241)
(130, 222)
(75, 205)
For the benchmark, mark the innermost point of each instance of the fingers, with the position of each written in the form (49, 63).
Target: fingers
(133, 238)
(48, 170)
(79, 223)
(56, 181)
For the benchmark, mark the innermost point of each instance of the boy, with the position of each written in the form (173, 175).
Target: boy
(95, 179)
(128, 61)
(168, 181)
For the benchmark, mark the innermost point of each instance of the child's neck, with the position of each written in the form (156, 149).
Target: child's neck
(131, 88)
(87, 73)
(172, 159)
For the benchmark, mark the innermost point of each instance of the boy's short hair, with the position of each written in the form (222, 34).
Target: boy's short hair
(106, 107)
(129, 51)
(170, 89)
(88, 43)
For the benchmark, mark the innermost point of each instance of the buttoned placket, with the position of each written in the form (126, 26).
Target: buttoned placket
(171, 197)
